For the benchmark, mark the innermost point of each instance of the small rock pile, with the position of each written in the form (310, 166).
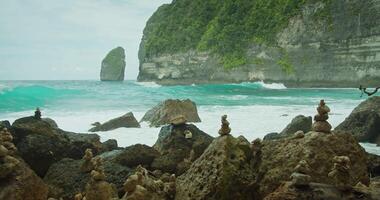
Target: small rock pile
(87, 165)
(321, 124)
(97, 188)
(141, 186)
(8, 163)
(225, 129)
(301, 176)
(341, 171)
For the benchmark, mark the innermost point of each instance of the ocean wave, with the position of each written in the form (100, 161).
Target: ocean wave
(3, 88)
(233, 97)
(273, 86)
(148, 84)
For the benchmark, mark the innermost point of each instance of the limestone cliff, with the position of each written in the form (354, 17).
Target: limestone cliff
(113, 65)
(311, 43)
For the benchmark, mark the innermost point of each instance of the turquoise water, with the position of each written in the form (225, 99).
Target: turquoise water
(94, 95)
(254, 109)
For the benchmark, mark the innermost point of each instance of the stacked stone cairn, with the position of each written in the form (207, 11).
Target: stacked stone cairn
(8, 163)
(340, 172)
(300, 176)
(320, 120)
(97, 188)
(141, 186)
(87, 165)
(225, 129)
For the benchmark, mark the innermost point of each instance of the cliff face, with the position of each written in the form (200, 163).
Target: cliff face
(318, 43)
(113, 65)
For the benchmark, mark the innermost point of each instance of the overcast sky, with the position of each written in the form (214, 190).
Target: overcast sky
(67, 39)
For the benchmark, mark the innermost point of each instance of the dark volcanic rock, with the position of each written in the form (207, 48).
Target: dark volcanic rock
(109, 145)
(126, 121)
(374, 165)
(280, 157)
(113, 65)
(165, 111)
(52, 123)
(222, 172)
(364, 121)
(322, 192)
(41, 145)
(174, 147)
(5, 124)
(66, 179)
(23, 184)
(299, 123)
(137, 154)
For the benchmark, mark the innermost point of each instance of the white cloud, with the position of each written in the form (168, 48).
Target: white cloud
(44, 38)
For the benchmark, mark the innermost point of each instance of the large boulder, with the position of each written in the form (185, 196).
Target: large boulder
(298, 123)
(165, 111)
(278, 158)
(174, 147)
(40, 144)
(221, 172)
(126, 121)
(66, 179)
(137, 154)
(322, 192)
(23, 184)
(364, 121)
(113, 65)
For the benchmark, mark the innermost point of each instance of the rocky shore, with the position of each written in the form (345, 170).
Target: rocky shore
(40, 161)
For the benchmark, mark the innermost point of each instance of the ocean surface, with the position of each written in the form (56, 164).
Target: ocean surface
(253, 109)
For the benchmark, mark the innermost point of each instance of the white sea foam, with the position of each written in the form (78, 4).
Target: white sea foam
(250, 121)
(273, 86)
(233, 97)
(3, 88)
(148, 84)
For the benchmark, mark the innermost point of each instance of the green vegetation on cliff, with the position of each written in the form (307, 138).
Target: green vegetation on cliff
(223, 27)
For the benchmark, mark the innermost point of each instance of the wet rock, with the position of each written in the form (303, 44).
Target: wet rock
(174, 147)
(137, 154)
(280, 157)
(165, 111)
(126, 121)
(364, 121)
(41, 145)
(221, 172)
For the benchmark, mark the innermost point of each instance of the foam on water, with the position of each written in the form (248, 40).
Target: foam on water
(254, 109)
(275, 86)
(148, 84)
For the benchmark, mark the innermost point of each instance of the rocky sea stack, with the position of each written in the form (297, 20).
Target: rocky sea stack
(113, 65)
